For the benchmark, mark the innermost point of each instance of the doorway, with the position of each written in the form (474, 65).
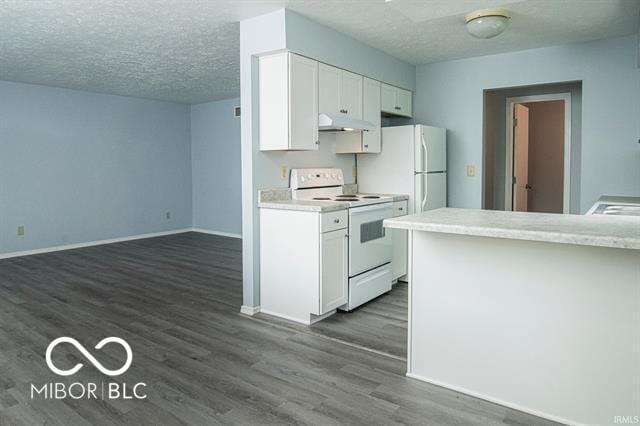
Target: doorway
(537, 169)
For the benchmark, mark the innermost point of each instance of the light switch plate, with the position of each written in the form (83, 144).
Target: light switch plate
(471, 171)
(20, 230)
(284, 172)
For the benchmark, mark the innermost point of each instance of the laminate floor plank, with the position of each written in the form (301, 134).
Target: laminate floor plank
(176, 301)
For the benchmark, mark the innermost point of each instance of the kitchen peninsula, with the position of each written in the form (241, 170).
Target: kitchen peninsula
(538, 312)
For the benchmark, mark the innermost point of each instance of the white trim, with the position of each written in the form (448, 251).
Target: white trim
(287, 317)
(92, 243)
(410, 301)
(220, 233)
(249, 310)
(566, 192)
(494, 400)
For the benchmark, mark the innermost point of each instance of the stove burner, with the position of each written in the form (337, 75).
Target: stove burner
(347, 199)
(346, 196)
(370, 196)
(322, 198)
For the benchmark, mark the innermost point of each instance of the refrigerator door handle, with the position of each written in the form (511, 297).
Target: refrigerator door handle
(423, 157)
(423, 204)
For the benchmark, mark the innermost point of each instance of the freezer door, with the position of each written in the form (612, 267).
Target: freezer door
(430, 149)
(431, 191)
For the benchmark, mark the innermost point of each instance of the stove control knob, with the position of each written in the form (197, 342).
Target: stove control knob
(301, 178)
(333, 176)
(309, 176)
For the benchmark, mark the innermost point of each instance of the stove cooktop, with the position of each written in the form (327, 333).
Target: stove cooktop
(352, 200)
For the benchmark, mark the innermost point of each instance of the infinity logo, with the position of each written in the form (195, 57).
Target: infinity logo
(90, 357)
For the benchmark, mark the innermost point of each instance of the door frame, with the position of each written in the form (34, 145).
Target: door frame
(566, 191)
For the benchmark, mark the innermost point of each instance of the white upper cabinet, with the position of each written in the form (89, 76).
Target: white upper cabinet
(351, 94)
(288, 102)
(371, 113)
(330, 85)
(365, 142)
(396, 101)
(340, 92)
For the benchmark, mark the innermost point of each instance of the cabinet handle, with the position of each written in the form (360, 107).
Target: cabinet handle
(400, 208)
(336, 220)
(317, 142)
(366, 146)
(397, 107)
(344, 111)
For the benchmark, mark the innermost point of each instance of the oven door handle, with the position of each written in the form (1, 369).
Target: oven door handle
(373, 207)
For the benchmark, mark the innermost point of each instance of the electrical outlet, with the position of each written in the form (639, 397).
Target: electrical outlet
(471, 171)
(20, 230)
(167, 215)
(284, 172)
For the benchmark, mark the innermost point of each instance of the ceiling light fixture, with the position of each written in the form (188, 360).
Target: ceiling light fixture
(487, 23)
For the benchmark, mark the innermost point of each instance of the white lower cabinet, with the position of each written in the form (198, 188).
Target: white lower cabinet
(334, 273)
(303, 263)
(400, 244)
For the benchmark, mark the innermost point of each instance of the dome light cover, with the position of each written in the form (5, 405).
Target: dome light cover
(487, 23)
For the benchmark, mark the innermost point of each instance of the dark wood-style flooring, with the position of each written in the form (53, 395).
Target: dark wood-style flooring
(176, 301)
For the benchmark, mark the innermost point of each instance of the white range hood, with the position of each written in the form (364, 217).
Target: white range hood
(341, 123)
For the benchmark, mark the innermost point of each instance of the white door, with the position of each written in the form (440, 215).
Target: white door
(403, 102)
(387, 98)
(430, 149)
(351, 95)
(334, 271)
(431, 191)
(371, 113)
(521, 158)
(329, 85)
(303, 103)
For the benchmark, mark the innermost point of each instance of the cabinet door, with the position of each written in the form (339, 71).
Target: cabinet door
(371, 113)
(351, 95)
(329, 85)
(388, 98)
(399, 258)
(334, 270)
(403, 102)
(274, 102)
(303, 103)
(400, 243)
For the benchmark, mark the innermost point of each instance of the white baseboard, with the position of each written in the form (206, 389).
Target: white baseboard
(493, 400)
(92, 243)
(249, 310)
(222, 234)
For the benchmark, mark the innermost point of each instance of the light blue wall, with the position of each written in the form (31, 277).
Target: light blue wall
(216, 171)
(78, 166)
(317, 41)
(450, 94)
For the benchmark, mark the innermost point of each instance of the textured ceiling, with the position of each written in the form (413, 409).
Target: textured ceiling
(187, 50)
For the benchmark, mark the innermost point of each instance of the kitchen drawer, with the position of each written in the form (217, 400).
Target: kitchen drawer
(333, 220)
(400, 208)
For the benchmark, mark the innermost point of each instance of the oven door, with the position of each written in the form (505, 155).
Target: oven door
(369, 243)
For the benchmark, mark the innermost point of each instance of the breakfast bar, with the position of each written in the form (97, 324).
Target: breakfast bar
(537, 312)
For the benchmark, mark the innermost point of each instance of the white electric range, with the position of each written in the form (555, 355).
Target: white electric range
(370, 244)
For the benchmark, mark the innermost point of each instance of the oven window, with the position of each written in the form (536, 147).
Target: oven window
(371, 231)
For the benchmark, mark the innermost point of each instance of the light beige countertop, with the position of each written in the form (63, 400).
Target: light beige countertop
(587, 230)
(304, 205)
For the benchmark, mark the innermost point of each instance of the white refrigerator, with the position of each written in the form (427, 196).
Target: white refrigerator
(413, 161)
